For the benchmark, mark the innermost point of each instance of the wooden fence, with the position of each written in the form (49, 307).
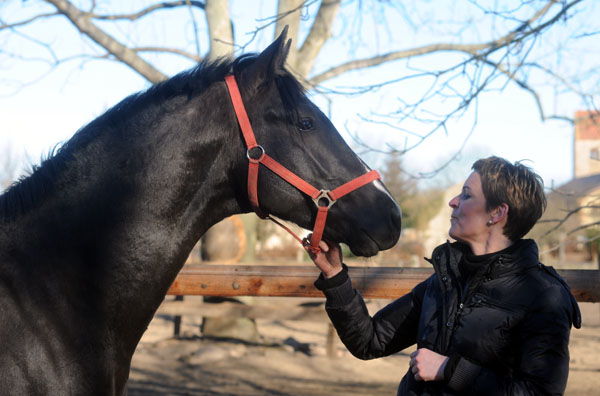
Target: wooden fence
(297, 281)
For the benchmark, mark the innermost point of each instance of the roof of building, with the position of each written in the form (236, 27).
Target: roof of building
(580, 186)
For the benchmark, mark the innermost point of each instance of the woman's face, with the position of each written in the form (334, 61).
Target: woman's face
(468, 222)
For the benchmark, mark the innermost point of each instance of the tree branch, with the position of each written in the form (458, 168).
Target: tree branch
(477, 50)
(274, 19)
(583, 227)
(175, 51)
(146, 11)
(319, 33)
(289, 13)
(560, 222)
(83, 23)
(220, 31)
(195, 25)
(391, 56)
(27, 21)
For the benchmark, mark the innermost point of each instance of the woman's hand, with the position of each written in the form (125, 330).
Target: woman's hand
(328, 260)
(427, 365)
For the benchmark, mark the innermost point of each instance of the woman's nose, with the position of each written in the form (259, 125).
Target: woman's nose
(453, 202)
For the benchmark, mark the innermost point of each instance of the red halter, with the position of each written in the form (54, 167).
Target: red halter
(323, 199)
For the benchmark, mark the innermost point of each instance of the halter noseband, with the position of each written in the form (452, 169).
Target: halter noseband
(323, 199)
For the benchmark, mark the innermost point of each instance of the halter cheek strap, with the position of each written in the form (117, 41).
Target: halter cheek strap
(256, 154)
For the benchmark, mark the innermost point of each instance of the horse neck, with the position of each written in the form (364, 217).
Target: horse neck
(136, 201)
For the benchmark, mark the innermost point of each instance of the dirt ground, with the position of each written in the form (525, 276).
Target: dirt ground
(291, 360)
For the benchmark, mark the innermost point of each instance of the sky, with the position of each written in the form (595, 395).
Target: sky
(39, 116)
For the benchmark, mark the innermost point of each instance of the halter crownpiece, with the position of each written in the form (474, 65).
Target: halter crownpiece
(257, 155)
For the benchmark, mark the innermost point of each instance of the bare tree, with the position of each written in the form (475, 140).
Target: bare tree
(528, 44)
(445, 56)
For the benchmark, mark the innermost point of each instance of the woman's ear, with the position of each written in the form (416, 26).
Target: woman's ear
(500, 213)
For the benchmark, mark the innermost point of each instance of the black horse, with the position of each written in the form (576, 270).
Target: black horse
(91, 241)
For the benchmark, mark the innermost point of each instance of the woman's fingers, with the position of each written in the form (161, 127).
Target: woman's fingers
(328, 259)
(427, 365)
(307, 240)
(324, 246)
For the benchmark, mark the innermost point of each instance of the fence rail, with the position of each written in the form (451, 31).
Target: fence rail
(297, 281)
(236, 310)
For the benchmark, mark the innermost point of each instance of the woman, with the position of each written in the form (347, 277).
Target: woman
(492, 320)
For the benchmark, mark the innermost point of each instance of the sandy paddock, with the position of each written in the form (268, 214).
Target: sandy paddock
(291, 360)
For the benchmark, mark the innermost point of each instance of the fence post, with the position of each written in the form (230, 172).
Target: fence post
(177, 321)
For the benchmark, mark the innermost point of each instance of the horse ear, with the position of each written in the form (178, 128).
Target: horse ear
(271, 61)
(282, 51)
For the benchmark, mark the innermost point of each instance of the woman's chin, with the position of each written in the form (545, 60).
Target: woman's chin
(452, 233)
(455, 236)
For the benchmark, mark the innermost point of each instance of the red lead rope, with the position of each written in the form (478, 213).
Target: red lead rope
(324, 199)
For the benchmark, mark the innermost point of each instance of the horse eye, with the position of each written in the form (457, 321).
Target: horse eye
(305, 124)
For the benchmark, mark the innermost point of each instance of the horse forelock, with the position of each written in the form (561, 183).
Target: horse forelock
(292, 95)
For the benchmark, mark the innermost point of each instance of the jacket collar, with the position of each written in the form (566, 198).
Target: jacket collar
(520, 257)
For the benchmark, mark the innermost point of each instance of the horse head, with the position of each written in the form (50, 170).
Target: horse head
(293, 131)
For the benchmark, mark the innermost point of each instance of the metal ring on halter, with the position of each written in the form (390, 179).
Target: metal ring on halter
(260, 158)
(324, 194)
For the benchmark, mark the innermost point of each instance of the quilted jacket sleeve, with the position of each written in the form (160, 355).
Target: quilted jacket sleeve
(543, 364)
(391, 330)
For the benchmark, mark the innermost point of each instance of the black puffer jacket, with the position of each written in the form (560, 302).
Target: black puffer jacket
(505, 328)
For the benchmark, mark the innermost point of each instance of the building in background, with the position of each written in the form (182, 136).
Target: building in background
(586, 144)
(570, 230)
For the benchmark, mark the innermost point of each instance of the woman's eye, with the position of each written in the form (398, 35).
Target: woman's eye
(305, 124)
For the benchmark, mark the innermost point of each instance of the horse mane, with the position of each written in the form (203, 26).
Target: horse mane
(32, 188)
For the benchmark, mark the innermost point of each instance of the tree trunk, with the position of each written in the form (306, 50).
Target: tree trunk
(288, 14)
(227, 241)
(220, 29)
